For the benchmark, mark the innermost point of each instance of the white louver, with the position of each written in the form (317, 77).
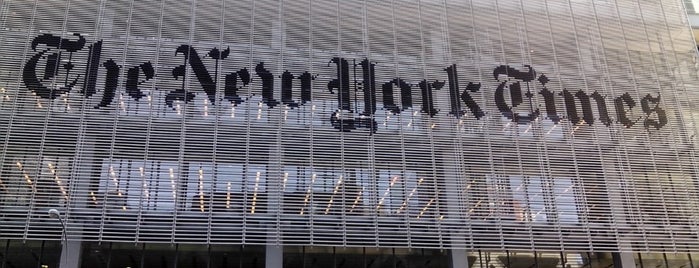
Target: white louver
(523, 125)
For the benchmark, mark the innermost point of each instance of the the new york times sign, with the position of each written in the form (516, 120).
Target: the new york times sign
(515, 90)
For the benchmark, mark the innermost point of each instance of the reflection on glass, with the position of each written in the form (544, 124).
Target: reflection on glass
(526, 198)
(29, 253)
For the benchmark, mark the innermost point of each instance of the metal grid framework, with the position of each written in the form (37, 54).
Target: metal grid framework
(521, 125)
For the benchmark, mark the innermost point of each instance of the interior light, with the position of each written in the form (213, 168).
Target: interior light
(337, 188)
(26, 176)
(286, 178)
(228, 195)
(94, 198)
(201, 189)
(52, 168)
(308, 193)
(121, 102)
(254, 196)
(425, 208)
(356, 200)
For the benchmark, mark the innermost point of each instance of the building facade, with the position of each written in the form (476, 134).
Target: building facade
(318, 133)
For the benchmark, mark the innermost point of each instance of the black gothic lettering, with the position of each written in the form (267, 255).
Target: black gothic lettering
(515, 93)
(306, 86)
(287, 88)
(602, 108)
(202, 74)
(515, 96)
(267, 85)
(369, 87)
(219, 55)
(51, 66)
(287, 85)
(388, 103)
(648, 110)
(549, 100)
(405, 93)
(179, 94)
(621, 112)
(57, 56)
(527, 76)
(132, 81)
(344, 125)
(93, 64)
(341, 83)
(586, 106)
(470, 103)
(571, 108)
(230, 91)
(59, 43)
(29, 75)
(426, 89)
(465, 96)
(110, 84)
(454, 92)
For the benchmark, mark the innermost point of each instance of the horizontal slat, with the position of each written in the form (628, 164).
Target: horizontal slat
(532, 124)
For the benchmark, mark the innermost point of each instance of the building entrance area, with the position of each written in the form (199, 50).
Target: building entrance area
(47, 254)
